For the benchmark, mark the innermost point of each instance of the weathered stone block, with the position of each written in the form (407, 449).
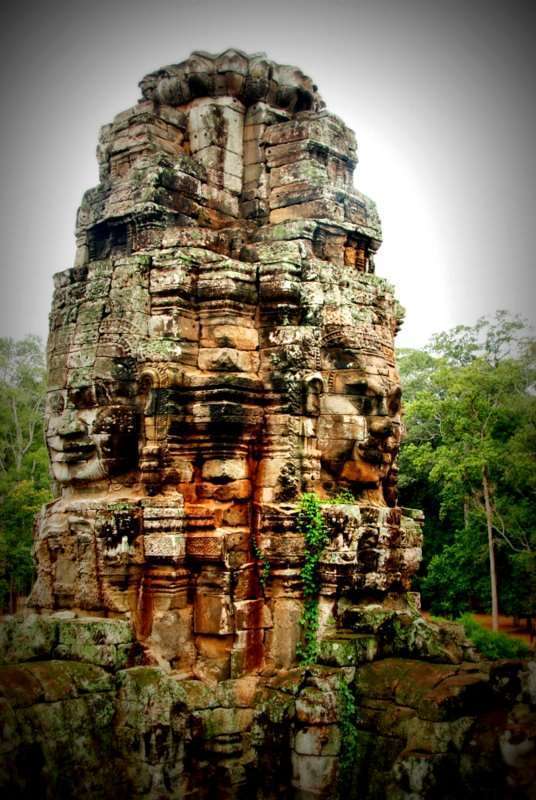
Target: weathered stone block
(252, 614)
(27, 639)
(165, 546)
(314, 774)
(104, 642)
(318, 741)
(346, 650)
(316, 707)
(213, 614)
(223, 471)
(221, 721)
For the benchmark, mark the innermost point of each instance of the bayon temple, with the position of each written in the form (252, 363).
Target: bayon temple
(221, 348)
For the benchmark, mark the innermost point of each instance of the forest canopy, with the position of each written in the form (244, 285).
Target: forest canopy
(468, 462)
(24, 476)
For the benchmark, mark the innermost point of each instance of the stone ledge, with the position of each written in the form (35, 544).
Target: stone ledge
(101, 641)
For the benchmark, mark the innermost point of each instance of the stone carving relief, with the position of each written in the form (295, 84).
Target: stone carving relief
(221, 345)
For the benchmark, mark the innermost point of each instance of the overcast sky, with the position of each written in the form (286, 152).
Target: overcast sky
(440, 95)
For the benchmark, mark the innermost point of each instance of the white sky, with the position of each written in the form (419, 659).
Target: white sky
(440, 95)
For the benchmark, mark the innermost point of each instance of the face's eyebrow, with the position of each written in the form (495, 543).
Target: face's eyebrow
(359, 385)
(368, 385)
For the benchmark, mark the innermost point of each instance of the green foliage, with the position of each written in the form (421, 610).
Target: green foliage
(24, 477)
(343, 497)
(264, 563)
(348, 729)
(470, 411)
(311, 524)
(18, 506)
(493, 645)
(518, 594)
(457, 578)
(307, 649)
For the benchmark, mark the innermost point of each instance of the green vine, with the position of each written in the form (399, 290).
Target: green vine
(311, 524)
(344, 497)
(265, 564)
(349, 741)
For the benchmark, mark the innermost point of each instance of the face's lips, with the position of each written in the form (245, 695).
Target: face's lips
(70, 452)
(375, 454)
(371, 454)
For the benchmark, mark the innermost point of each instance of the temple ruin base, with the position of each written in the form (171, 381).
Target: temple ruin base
(83, 716)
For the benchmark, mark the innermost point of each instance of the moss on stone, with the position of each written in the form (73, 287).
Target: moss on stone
(345, 649)
(27, 638)
(19, 687)
(105, 642)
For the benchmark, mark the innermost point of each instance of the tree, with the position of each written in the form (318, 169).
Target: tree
(24, 478)
(22, 400)
(471, 438)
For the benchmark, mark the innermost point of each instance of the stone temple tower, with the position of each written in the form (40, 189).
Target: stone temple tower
(221, 346)
(222, 608)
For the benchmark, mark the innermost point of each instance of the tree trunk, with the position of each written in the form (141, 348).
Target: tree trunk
(492, 572)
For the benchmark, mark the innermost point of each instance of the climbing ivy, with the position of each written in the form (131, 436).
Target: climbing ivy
(264, 562)
(348, 729)
(311, 524)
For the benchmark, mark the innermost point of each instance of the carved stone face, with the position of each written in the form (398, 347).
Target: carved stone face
(92, 433)
(359, 428)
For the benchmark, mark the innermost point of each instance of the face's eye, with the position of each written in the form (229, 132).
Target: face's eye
(367, 405)
(395, 401)
(361, 395)
(358, 388)
(102, 395)
(394, 407)
(56, 402)
(82, 397)
(115, 420)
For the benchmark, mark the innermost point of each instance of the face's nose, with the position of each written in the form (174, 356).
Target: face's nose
(381, 406)
(380, 426)
(70, 424)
